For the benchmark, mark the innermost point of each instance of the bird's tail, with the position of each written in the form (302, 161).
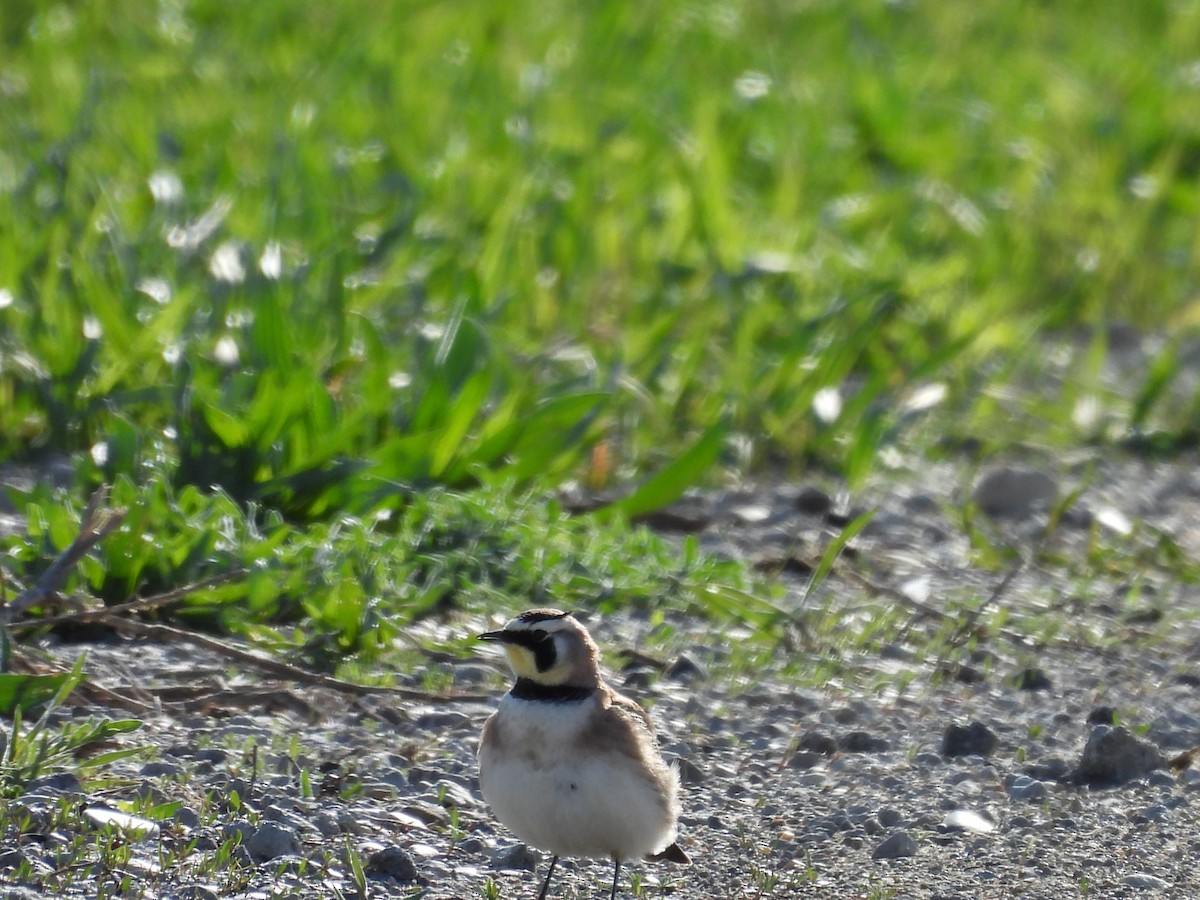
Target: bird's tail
(673, 853)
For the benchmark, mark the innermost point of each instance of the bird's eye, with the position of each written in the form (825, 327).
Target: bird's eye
(539, 635)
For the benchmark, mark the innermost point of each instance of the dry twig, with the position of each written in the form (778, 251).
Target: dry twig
(276, 668)
(98, 523)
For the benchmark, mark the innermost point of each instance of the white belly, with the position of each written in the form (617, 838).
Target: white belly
(557, 800)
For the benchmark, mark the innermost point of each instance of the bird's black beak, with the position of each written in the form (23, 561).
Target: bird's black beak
(500, 637)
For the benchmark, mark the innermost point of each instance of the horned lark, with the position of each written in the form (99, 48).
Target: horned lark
(567, 763)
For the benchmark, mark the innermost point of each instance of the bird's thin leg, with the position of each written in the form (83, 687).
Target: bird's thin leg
(616, 875)
(546, 884)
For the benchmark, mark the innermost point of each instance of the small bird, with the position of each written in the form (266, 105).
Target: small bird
(567, 763)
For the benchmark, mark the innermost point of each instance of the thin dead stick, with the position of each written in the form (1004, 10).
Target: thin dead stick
(279, 669)
(142, 604)
(972, 619)
(88, 686)
(97, 524)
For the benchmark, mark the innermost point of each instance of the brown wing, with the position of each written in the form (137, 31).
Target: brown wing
(620, 725)
(491, 737)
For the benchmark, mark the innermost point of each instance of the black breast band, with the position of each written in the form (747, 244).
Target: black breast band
(528, 689)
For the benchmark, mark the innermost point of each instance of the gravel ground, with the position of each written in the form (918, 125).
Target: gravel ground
(896, 775)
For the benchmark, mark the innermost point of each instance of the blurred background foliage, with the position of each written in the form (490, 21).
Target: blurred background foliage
(282, 276)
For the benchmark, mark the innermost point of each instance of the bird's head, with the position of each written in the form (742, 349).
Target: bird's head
(548, 646)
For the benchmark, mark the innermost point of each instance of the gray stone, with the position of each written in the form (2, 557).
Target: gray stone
(1145, 881)
(818, 742)
(443, 721)
(1156, 813)
(1022, 787)
(805, 759)
(889, 816)
(517, 856)
(393, 861)
(689, 772)
(685, 668)
(1113, 756)
(452, 794)
(863, 742)
(975, 739)
(327, 824)
(1013, 491)
(158, 768)
(55, 785)
(270, 840)
(1050, 768)
(897, 846)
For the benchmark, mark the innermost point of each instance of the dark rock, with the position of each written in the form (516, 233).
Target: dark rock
(863, 742)
(1032, 679)
(975, 739)
(1113, 756)
(1022, 787)
(840, 518)
(55, 785)
(158, 768)
(805, 759)
(1050, 768)
(444, 721)
(813, 501)
(896, 846)
(818, 742)
(961, 672)
(685, 668)
(889, 816)
(518, 856)
(1014, 492)
(394, 862)
(1102, 715)
(271, 840)
(689, 772)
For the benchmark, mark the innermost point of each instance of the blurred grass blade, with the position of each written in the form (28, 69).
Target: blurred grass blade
(1163, 370)
(462, 412)
(554, 428)
(671, 481)
(832, 552)
(25, 692)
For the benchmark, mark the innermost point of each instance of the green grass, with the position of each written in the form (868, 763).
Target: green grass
(343, 297)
